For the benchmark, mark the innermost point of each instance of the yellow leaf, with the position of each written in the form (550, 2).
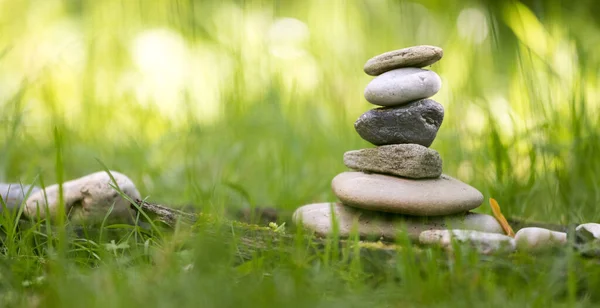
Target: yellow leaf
(501, 219)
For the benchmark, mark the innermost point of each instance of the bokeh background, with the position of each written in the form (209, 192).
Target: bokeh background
(233, 104)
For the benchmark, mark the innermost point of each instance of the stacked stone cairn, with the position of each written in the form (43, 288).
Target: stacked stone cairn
(398, 185)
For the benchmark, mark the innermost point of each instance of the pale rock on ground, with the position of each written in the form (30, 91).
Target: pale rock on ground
(401, 86)
(404, 160)
(419, 197)
(416, 56)
(14, 193)
(87, 199)
(318, 218)
(587, 239)
(416, 122)
(484, 242)
(534, 238)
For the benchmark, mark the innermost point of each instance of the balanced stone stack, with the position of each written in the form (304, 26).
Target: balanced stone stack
(398, 185)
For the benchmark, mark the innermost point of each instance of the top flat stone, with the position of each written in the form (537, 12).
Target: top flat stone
(416, 56)
(424, 197)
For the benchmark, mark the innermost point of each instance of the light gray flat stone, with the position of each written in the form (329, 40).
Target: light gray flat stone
(416, 56)
(417, 122)
(401, 86)
(87, 199)
(405, 160)
(13, 194)
(484, 242)
(534, 238)
(369, 224)
(422, 197)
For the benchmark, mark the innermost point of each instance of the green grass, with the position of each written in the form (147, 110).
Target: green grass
(225, 123)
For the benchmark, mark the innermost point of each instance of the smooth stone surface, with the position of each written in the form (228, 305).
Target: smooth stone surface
(318, 218)
(484, 242)
(401, 86)
(87, 199)
(416, 56)
(423, 197)
(14, 193)
(405, 160)
(417, 122)
(534, 238)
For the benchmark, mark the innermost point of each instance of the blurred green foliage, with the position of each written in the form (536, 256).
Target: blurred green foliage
(241, 103)
(232, 104)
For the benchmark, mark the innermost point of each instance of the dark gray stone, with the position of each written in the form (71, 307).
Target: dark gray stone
(416, 122)
(405, 160)
(13, 194)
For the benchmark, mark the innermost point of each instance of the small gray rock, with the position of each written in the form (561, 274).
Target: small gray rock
(405, 160)
(13, 194)
(318, 218)
(534, 238)
(588, 232)
(484, 242)
(401, 86)
(87, 199)
(587, 239)
(422, 197)
(417, 122)
(416, 56)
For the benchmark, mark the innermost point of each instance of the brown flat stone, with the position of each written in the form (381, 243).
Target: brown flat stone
(405, 160)
(416, 56)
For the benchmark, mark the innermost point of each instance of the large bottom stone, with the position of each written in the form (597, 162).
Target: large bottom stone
(422, 197)
(318, 217)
